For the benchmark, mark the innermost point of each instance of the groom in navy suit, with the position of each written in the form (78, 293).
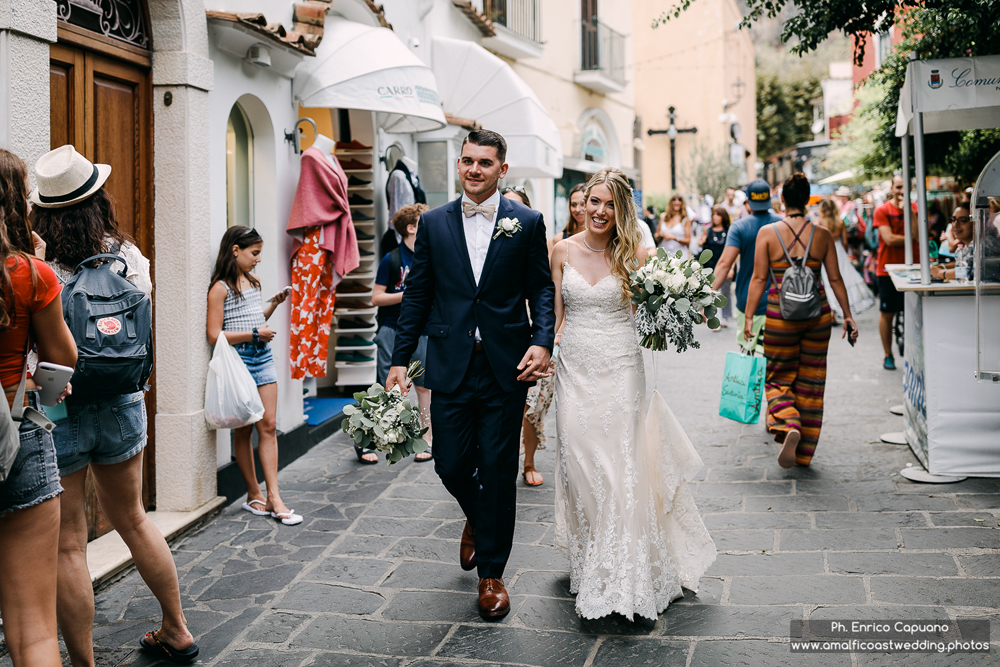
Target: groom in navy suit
(476, 261)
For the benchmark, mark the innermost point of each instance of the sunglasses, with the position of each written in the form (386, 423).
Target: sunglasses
(514, 188)
(962, 219)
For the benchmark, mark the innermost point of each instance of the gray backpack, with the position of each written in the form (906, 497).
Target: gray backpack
(798, 293)
(112, 322)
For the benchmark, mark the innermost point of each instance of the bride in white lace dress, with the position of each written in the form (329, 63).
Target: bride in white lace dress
(624, 513)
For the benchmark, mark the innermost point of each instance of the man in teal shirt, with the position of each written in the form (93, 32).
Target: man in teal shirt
(741, 242)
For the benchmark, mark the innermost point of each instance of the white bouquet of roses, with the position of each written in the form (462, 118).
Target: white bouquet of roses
(386, 421)
(671, 295)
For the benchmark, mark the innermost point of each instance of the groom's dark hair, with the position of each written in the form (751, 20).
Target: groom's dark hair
(488, 138)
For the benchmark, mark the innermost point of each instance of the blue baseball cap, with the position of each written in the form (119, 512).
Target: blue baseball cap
(759, 195)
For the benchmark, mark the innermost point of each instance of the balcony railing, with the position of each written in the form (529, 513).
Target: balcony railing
(521, 17)
(603, 49)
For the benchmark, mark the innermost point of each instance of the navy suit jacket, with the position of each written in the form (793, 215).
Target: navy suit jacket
(442, 295)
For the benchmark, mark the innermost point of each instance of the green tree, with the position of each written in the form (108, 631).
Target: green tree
(815, 20)
(709, 170)
(931, 28)
(784, 111)
(933, 33)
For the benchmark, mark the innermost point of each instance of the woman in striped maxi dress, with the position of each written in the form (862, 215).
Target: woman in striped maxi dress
(796, 350)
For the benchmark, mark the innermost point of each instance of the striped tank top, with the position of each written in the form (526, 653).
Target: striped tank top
(244, 314)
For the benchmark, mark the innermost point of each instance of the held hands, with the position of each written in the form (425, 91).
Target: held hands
(535, 364)
(397, 378)
(65, 392)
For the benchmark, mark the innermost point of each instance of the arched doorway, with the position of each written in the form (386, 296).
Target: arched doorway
(101, 102)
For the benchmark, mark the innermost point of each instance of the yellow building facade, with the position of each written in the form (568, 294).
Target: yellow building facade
(701, 64)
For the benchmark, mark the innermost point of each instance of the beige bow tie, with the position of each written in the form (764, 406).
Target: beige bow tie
(470, 209)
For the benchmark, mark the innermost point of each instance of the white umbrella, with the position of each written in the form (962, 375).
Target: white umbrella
(363, 67)
(838, 178)
(476, 84)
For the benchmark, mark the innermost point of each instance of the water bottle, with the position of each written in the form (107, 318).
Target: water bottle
(962, 266)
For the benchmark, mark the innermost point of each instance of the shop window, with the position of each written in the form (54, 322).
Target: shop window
(239, 169)
(432, 160)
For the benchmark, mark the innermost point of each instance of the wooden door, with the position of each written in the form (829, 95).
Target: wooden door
(102, 105)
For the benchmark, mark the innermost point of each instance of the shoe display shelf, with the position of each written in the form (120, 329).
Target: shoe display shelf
(354, 307)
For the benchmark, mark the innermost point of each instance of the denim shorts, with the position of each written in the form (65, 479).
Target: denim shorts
(106, 431)
(34, 478)
(259, 362)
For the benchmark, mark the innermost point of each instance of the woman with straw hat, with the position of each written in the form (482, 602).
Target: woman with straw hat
(75, 216)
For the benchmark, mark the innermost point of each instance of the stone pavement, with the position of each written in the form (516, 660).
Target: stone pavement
(371, 577)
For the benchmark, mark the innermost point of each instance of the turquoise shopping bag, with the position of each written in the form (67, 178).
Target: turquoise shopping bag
(743, 386)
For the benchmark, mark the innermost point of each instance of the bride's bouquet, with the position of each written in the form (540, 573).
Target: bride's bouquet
(671, 295)
(386, 421)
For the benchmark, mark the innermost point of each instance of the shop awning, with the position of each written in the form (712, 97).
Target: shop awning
(952, 93)
(363, 67)
(476, 84)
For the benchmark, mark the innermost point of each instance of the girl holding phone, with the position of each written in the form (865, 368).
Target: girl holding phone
(235, 307)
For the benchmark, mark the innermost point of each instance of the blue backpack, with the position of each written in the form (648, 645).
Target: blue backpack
(112, 322)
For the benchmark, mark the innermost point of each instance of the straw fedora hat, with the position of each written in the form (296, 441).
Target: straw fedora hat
(65, 177)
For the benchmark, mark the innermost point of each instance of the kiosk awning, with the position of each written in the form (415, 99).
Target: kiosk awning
(364, 67)
(952, 93)
(476, 84)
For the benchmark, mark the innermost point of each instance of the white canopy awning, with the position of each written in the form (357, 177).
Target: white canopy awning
(953, 94)
(842, 177)
(476, 84)
(364, 67)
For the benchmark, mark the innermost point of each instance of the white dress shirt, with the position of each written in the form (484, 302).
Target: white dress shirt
(478, 234)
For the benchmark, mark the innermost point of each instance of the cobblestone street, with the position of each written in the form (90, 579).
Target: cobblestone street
(372, 578)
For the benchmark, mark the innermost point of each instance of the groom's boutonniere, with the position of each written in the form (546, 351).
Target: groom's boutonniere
(508, 227)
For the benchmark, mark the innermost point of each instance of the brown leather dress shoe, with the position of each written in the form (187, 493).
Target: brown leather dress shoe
(467, 552)
(493, 599)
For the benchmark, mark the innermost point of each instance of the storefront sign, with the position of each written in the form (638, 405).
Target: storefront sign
(957, 83)
(914, 387)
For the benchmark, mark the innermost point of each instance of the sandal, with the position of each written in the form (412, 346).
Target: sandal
(289, 518)
(786, 457)
(524, 474)
(248, 506)
(430, 457)
(152, 645)
(361, 453)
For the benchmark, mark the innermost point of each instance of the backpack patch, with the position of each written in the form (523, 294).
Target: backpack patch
(109, 326)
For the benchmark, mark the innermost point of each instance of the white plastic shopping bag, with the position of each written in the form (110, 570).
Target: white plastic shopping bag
(231, 397)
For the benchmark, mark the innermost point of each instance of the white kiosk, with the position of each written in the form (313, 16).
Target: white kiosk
(952, 353)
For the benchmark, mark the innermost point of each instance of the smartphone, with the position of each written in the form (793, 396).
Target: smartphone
(850, 334)
(51, 379)
(287, 290)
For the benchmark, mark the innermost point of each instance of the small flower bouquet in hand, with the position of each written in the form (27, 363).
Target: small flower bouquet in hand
(671, 295)
(386, 421)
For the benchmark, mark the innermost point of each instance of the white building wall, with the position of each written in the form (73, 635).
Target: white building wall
(265, 97)
(27, 27)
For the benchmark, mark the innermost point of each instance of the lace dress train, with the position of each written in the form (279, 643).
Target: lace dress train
(624, 512)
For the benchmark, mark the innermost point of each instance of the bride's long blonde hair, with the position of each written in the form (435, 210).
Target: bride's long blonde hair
(625, 237)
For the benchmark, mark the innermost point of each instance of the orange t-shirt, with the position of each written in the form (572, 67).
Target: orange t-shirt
(28, 299)
(888, 215)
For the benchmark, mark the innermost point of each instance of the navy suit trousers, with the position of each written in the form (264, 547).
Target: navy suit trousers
(477, 432)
